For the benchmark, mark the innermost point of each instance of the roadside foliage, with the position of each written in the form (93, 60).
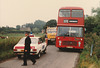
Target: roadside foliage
(6, 47)
(87, 61)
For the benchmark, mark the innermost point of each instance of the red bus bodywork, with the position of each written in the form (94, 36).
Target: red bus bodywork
(76, 22)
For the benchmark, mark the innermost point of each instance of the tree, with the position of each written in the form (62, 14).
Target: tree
(36, 30)
(51, 23)
(89, 24)
(39, 24)
(31, 25)
(18, 27)
(97, 20)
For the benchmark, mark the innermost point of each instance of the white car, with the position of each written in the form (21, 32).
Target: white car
(37, 47)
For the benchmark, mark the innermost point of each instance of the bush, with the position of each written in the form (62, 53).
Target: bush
(6, 54)
(7, 44)
(6, 47)
(85, 59)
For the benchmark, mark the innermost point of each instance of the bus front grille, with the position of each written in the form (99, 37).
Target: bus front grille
(69, 43)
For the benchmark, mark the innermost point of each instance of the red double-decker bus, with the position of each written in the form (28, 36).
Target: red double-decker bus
(70, 28)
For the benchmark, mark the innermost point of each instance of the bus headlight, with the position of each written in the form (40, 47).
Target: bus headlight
(58, 38)
(79, 44)
(59, 43)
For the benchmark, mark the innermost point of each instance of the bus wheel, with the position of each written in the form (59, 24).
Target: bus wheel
(60, 48)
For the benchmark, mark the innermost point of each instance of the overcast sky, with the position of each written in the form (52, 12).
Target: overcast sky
(19, 12)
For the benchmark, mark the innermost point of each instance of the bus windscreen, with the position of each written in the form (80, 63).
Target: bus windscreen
(70, 31)
(51, 31)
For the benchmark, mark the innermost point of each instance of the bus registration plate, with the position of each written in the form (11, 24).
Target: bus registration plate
(69, 47)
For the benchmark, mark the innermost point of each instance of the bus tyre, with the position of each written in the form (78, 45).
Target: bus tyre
(19, 56)
(60, 48)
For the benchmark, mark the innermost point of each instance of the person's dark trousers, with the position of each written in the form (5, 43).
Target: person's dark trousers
(28, 56)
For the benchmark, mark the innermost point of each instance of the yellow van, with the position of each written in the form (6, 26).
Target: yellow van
(51, 34)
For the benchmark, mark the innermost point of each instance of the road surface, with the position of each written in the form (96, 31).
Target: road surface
(54, 58)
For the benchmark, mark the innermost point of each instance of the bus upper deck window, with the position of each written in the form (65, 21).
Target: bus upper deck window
(64, 13)
(77, 13)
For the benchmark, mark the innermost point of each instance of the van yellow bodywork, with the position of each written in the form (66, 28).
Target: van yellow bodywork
(51, 33)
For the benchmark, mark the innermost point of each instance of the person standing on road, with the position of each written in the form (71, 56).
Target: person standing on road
(27, 50)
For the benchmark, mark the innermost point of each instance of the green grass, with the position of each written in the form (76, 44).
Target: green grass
(20, 34)
(13, 34)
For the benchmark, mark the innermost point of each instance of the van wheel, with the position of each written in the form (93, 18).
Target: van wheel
(48, 42)
(19, 56)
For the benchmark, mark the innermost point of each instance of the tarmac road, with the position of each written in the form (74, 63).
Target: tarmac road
(54, 58)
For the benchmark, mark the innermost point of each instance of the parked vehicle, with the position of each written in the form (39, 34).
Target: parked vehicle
(37, 47)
